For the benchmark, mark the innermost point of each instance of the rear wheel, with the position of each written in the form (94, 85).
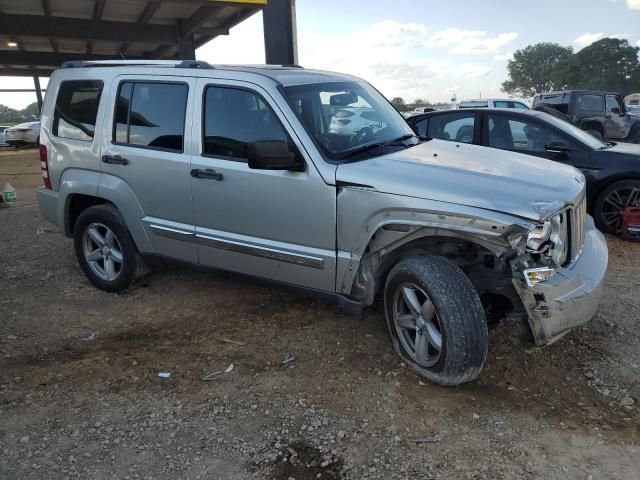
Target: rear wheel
(611, 203)
(105, 250)
(436, 320)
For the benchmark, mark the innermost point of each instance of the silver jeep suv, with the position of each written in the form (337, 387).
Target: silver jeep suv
(238, 168)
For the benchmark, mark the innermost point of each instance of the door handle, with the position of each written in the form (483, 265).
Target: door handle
(208, 174)
(115, 160)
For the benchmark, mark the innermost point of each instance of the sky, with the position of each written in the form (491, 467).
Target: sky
(420, 48)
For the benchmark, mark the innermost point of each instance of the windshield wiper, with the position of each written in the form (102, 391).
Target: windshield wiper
(374, 145)
(608, 145)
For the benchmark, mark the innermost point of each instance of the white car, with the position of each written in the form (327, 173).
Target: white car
(355, 120)
(494, 103)
(3, 143)
(23, 134)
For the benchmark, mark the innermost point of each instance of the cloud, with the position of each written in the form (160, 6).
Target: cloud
(452, 89)
(469, 41)
(502, 57)
(587, 39)
(633, 4)
(638, 43)
(470, 70)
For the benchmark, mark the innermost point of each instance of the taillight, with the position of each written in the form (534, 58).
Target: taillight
(344, 122)
(44, 166)
(24, 130)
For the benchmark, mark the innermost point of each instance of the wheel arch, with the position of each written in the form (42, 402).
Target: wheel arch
(83, 189)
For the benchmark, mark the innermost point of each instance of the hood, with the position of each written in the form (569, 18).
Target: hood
(498, 180)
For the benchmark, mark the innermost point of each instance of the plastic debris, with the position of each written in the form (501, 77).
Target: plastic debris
(287, 359)
(229, 368)
(164, 374)
(88, 338)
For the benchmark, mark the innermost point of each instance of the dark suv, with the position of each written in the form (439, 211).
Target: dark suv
(602, 114)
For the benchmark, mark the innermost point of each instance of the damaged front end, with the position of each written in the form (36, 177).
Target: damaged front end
(559, 272)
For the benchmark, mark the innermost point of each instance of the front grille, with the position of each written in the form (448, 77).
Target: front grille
(578, 228)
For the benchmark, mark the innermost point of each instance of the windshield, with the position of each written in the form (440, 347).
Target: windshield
(575, 132)
(344, 117)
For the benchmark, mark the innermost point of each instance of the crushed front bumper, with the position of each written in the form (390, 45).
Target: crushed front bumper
(570, 297)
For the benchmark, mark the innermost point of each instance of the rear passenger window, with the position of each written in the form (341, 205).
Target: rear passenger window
(151, 115)
(76, 109)
(233, 118)
(458, 127)
(590, 103)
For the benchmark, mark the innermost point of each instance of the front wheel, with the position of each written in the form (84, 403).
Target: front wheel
(105, 250)
(436, 320)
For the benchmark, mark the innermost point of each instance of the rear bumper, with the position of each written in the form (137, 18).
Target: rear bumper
(570, 297)
(49, 204)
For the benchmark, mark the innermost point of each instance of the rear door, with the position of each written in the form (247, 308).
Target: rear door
(146, 145)
(614, 123)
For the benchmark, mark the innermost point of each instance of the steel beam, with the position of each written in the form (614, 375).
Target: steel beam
(51, 59)
(280, 43)
(77, 28)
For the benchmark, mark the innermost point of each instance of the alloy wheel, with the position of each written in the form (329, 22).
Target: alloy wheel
(102, 251)
(614, 204)
(417, 325)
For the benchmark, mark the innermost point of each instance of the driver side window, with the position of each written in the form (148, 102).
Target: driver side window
(520, 136)
(235, 117)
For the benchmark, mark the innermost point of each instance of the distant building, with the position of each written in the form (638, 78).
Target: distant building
(633, 99)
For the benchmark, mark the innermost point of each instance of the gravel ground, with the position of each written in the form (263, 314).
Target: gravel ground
(266, 383)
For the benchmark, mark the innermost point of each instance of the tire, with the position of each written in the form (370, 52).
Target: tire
(458, 315)
(622, 194)
(596, 134)
(124, 273)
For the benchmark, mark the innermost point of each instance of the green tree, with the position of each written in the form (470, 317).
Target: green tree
(9, 115)
(537, 68)
(398, 102)
(30, 112)
(610, 64)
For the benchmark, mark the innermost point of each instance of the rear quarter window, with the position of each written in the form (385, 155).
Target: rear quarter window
(76, 109)
(590, 103)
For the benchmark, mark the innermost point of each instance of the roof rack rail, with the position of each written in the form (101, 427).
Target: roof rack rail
(292, 65)
(139, 63)
(195, 64)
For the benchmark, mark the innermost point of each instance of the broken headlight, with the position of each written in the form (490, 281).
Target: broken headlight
(549, 240)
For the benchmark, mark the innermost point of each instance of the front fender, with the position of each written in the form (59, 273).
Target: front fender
(362, 213)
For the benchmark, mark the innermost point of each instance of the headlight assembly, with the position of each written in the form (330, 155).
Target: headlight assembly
(559, 238)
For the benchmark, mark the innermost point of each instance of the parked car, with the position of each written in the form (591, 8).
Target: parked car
(23, 134)
(493, 103)
(237, 168)
(3, 142)
(352, 121)
(602, 114)
(633, 110)
(417, 111)
(612, 169)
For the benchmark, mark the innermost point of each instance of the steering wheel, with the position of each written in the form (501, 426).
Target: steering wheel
(362, 136)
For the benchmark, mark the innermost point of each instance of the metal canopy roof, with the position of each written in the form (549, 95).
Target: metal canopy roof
(36, 36)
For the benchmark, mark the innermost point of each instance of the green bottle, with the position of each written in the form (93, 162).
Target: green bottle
(9, 194)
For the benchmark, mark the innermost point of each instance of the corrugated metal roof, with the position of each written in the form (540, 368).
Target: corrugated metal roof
(48, 32)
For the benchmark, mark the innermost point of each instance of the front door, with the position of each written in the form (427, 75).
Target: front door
(274, 224)
(614, 121)
(521, 135)
(146, 154)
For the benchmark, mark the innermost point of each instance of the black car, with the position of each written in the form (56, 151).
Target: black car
(612, 169)
(602, 114)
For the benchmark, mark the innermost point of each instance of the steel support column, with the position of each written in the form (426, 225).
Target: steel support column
(280, 42)
(36, 82)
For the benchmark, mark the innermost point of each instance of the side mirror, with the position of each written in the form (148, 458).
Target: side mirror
(557, 147)
(272, 155)
(615, 110)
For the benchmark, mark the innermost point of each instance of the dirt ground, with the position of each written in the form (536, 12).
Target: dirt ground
(305, 391)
